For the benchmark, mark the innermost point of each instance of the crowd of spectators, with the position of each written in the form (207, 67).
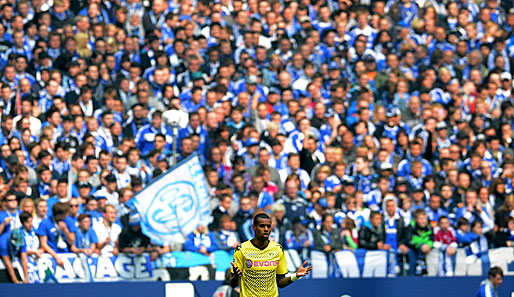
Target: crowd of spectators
(382, 125)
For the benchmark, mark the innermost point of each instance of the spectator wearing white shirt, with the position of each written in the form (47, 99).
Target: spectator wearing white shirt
(123, 178)
(41, 211)
(293, 166)
(29, 235)
(107, 232)
(108, 191)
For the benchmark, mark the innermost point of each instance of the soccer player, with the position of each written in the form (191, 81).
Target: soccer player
(259, 264)
(488, 286)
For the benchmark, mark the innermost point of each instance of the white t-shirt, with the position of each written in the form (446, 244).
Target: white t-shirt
(31, 239)
(112, 198)
(102, 232)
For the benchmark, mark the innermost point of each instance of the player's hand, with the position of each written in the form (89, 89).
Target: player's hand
(236, 269)
(302, 270)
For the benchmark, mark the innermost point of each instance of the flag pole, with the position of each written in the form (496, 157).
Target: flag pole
(174, 129)
(70, 173)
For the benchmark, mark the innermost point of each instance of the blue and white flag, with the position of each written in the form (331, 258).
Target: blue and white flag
(174, 204)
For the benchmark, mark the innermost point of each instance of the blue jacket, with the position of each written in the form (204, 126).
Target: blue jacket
(486, 289)
(146, 135)
(196, 240)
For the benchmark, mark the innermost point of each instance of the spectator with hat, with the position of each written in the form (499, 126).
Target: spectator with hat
(250, 151)
(84, 190)
(131, 239)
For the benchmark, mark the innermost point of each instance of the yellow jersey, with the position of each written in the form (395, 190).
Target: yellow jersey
(259, 268)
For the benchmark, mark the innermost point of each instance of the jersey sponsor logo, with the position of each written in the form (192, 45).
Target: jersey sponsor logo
(262, 263)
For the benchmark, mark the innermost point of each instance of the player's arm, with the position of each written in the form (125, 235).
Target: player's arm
(236, 275)
(283, 281)
(236, 268)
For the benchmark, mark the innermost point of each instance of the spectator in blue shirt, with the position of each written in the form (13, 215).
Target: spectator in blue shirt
(12, 246)
(464, 237)
(10, 217)
(201, 241)
(57, 232)
(85, 237)
(226, 238)
(61, 195)
(434, 210)
(146, 135)
(299, 238)
(294, 203)
(29, 235)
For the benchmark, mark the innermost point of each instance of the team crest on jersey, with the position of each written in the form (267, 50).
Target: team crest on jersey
(249, 263)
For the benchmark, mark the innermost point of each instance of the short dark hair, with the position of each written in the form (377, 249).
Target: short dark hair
(476, 222)
(258, 216)
(495, 271)
(462, 222)
(374, 213)
(9, 193)
(24, 216)
(83, 216)
(60, 208)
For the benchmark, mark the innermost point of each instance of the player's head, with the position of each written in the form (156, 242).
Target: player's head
(260, 216)
(496, 276)
(261, 226)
